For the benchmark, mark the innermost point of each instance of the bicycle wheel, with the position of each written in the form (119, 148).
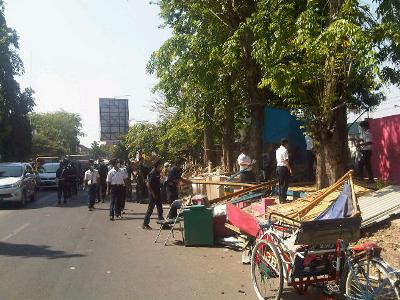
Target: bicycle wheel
(371, 279)
(266, 271)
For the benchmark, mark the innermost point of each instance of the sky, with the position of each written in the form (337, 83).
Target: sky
(77, 51)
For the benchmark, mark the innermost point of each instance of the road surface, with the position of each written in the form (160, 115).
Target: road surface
(67, 252)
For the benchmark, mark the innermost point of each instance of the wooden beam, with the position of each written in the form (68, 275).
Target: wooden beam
(195, 181)
(301, 213)
(244, 191)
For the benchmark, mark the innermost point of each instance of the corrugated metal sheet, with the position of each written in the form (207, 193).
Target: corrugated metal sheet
(380, 205)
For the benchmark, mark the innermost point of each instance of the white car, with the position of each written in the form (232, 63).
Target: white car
(17, 183)
(47, 175)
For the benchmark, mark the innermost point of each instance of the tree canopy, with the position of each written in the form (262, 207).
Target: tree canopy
(56, 133)
(227, 59)
(15, 133)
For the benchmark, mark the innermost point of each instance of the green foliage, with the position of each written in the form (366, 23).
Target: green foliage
(15, 133)
(60, 129)
(174, 136)
(100, 151)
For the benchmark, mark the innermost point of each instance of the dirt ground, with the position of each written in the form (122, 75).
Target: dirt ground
(387, 236)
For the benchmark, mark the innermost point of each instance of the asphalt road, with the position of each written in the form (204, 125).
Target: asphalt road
(67, 252)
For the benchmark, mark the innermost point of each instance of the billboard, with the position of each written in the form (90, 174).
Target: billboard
(114, 118)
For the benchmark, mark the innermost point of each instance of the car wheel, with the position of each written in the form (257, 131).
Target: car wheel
(23, 199)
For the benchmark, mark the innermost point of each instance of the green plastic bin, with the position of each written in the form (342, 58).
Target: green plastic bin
(198, 226)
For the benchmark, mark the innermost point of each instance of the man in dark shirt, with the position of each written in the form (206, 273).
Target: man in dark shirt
(174, 177)
(60, 182)
(102, 187)
(153, 186)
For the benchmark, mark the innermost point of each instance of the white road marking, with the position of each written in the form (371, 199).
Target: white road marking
(15, 232)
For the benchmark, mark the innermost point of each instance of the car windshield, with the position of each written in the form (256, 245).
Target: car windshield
(10, 171)
(49, 168)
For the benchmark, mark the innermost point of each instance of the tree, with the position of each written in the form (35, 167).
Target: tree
(324, 57)
(61, 129)
(15, 133)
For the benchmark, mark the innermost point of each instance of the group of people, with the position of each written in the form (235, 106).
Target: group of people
(67, 180)
(115, 181)
(284, 168)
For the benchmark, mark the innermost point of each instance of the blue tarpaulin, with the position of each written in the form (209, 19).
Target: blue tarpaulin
(341, 208)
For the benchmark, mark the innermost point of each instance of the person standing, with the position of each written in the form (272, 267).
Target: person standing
(91, 179)
(173, 179)
(116, 178)
(60, 183)
(164, 176)
(310, 157)
(245, 166)
(154, 188)
(366, 151)
(283, 169)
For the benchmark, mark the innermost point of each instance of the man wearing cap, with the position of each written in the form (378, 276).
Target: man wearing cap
(153, 186)
(116, 179)
(91, 180)
(283, 169)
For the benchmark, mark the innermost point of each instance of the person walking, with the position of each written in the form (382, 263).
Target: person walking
(102, 185)
(153, 186)
(91, 179)
(283, 169)
(116, 178)
(366, 151)
(245, 166)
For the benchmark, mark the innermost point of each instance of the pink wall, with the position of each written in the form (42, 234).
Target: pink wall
(386, 148)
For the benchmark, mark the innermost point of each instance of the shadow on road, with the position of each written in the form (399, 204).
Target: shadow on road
(26, 250)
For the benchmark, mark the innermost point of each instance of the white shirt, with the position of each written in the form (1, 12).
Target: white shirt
(116, 177)
(281, 155)
(91, 176)
(366, 136)
(244, 159)
(309, 142)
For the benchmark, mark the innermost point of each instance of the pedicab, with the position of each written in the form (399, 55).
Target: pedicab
(290, 252)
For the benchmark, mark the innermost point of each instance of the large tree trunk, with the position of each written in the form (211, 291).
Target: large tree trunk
(208, 144)
(332, 150)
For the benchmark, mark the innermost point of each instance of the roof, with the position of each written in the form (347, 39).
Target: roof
(379, 205)
(16, 164)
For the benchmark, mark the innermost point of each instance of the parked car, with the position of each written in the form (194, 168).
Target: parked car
(47, 175)
(17, 183)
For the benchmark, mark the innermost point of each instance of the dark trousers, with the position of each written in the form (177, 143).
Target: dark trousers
(117, 194)
(310, 164)
(60, 190)
(172, 193)
(101, 190)
(123, 199)
(366, 161)
(283, 179)
(153, 202)
(247, 176)
(92, 195)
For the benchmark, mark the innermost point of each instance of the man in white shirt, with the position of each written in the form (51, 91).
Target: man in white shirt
(245, 164)
(366, 151)
(283, 169)
(116, 180)
(310, 156)
(91, 180)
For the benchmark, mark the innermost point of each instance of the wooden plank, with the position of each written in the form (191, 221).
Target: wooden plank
(195, 181)
(244, 191)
